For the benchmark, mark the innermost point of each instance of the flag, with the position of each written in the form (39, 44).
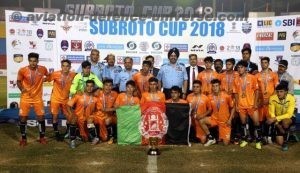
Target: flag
(179, 123)
(129, 118)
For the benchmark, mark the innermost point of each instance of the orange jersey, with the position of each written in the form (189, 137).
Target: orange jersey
(227, 80)
(245, 87)
(142, 81)
(32, 81)
(199, 103)
(123, 99)
(85, 105)
(220, 106)
(266, 84)
(61, 86)
(106, 101)
(205, 77)
(179, 101)
(158, 96)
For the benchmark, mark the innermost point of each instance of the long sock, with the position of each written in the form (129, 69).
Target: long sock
(97, 130)
(42, 128)
(55, 127)
(257, 131)
(286, 134)
(92, 132)
(72, 131)
(114, 131)
(270, 130)
(23, 127)
(110, 131)
(244, 131)
(68, 128)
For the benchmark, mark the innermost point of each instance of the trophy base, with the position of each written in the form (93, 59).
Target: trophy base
(153, 152)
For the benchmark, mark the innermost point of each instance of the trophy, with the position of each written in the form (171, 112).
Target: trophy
(154, 125)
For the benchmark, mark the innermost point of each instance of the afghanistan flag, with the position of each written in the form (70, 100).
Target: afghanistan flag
(129, 118)
(179, 123)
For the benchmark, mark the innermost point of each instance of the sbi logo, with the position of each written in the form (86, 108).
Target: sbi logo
(285, 22)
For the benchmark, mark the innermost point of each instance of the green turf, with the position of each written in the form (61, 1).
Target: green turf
(3, 91)
(57, 157)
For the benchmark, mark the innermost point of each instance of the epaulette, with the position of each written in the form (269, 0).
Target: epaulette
(180, 63)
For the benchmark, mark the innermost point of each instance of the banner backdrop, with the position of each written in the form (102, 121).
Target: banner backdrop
(275, 37)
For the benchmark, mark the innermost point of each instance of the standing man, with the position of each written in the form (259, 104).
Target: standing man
(142, 77)
(227, 78)
(218, 66)
(222, 114)
(96, 66)
(252, 68)
(192, 72)
(30, 82)
(79, 81)
(281, 110)
(62, 81)
(126, 74)
(153, 70)
(111, 70)
(172, 74)
(283, 75)
(246, 96)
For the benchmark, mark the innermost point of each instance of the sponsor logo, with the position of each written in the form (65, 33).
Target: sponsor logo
(264, 36)
(32, 45)
(136, 60)
(24, 32)
(233, 48)
(81, 26)
(212, 48)
(39, 33)
(264, 23)
(64, 44)
(66, 27)
(197, 48)
(295, 47)
(73, 58)
(270, 48)
(51, 34)
(246, 27)
(289, 22)
(279, 58)
(110, 46)
(233, 28)
(89, 45)
(18, 58)
(16, 44)
(131, 45)
(144, 46)
(48, 45)
(222, 48)
(13, 95)
(19, 19)
(156, 46)
(12, 31)
(295, 61)
(76, 45)
(12, 84)
(180, 47)
(296, 35)
(281, 36)
(278, 23)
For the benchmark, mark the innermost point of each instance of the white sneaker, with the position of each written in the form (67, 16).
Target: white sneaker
(95, 141)
(270, 140)
(72, 144)
(210, 142)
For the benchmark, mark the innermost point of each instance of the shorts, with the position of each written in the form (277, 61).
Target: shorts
(248, 111)
(55, 106)
(224, 129)
(263, 113)
(37, 106)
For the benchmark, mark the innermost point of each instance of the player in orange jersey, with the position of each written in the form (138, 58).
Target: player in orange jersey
(154, 94)
(200, 109)
(105, 116)
(175, 96)
(30, 82)
(222, 114)
(62, 81)
(207, 75)
(141, 78)
(228, 76)
(85, 106)
(128, 97)
(246, 96)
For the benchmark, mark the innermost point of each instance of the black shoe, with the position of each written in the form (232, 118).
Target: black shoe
(58, 137)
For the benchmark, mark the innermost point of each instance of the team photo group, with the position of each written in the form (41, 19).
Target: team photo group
(230, 102)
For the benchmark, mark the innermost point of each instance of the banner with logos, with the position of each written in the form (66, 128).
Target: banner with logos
(55, 38)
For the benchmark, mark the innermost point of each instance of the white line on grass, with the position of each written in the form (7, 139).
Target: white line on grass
(152, 164)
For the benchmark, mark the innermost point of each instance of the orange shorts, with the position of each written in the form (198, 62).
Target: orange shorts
(248, 111)
(263, 113)
(200, 134)
(37, 106)
(224, 129)
(55, 106)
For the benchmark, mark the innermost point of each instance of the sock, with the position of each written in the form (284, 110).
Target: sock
(209, 137)
(114, 131)
(23, 127)
(244, 131)
(257, 131)
(286, 134)
(68, 128)
(92, 132)
(270, 130)
(72, 131)
(97, 130)
(55, 127)
(42, 128)
(110, 131)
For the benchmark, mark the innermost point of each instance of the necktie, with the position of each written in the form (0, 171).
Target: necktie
(193, 75)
